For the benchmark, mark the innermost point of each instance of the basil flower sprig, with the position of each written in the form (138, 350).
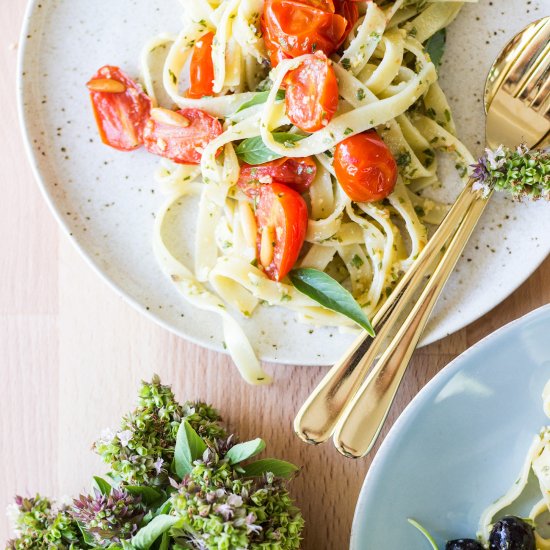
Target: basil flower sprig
(221, 503)
(39, 524)
(141, 450)
(109, 518)
(521, 172)
(176, 480)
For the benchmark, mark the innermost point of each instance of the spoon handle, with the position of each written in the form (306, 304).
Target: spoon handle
(363, 419)
(318, 416)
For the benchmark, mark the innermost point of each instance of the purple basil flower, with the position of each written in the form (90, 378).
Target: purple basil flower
(112, 518)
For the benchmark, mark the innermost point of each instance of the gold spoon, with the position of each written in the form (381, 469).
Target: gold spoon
(518, 113)
(319, 415)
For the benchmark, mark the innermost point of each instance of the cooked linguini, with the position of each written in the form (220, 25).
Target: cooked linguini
(386, 81)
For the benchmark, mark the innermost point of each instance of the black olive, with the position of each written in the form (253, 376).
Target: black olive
(463, 544)
(511, 533)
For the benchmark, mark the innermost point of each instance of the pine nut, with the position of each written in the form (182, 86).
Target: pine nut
(248, 223)
(107, 85)
(267, 246)
(172, 118)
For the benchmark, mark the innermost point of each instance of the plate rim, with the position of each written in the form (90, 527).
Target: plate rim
(446, 372)
(23, 57)
(22, 60)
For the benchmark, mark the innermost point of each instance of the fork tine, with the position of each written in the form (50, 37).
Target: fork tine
(542, 105)
(538, 77)
(541, 101)
(523, 66)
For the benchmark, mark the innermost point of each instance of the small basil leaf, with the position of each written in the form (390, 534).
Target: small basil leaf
(165, 507)
(242, 451)
(87, 537)
(149, 516)
(279, 468)
(255, 151)
(259, 98)
(435, 46)
(103, 486)
(148, 494)
(146, 536)
(330, 294)
(189, 447)
(165, 542)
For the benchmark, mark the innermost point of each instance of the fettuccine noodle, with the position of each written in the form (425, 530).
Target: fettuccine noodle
(537, 461)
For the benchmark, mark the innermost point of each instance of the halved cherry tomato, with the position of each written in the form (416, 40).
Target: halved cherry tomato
(182, 144)
(312, 93)
(292, 28)
(297, 173)
(201, 70)
(365, 167)
(281, 214)
(121, 109)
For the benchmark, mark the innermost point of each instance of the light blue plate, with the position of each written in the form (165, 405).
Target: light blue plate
(460, 444)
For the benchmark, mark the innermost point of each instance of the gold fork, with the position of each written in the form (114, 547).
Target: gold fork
(318, 416)
(518, 113)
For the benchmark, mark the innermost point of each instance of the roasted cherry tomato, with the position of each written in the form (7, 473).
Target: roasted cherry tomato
(276, 54)
(325, 5)
(182, 142)
(121, 108)
(201, 70)
(292, 28)
(312, 93)
(297, 173)
(348, 10)
(365, 167)
(282, 217)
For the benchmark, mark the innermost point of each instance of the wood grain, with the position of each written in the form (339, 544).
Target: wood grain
(72, 355)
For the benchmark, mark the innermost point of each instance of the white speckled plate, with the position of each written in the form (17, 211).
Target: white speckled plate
(106, 200)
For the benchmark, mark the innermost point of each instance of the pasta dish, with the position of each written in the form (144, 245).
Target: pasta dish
(307, 131)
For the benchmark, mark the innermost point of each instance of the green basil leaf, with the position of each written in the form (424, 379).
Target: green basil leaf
(148, 494)
(259, 98)
(165, 507)
(279, 468)
(242, 451)
(189, 447)
(435, 46)
(254, 150)
(330, 294)
(146, 536)
(87, 537)
(103, 486)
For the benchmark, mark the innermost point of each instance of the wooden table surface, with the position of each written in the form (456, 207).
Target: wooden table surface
(73, 353)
